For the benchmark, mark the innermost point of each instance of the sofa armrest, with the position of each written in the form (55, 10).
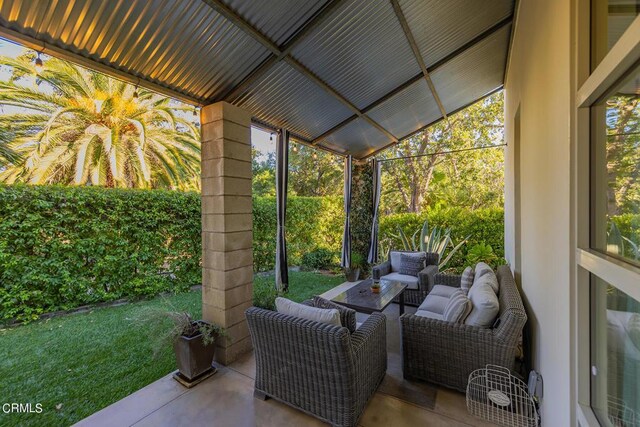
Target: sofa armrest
(426, 278)
(381, 270)
(447, 280)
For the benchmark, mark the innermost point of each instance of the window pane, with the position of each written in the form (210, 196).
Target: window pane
(609, 20)
(615, 166)
(615, 355)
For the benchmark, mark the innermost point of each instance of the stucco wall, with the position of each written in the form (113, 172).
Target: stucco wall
(538, 84)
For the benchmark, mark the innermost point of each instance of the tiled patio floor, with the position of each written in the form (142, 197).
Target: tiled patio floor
(226, 399)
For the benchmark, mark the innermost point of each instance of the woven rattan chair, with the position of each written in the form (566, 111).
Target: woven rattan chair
(419, 287)
(327, 371)
(446, 353)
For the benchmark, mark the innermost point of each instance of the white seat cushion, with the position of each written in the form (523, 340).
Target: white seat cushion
(323, 315)
(443, 290)
(429, 314)
(434, 303)
(485, 305)
(411, 281)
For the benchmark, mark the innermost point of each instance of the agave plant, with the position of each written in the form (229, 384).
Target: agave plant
(621, 245)
(438, 240)
(68, 125)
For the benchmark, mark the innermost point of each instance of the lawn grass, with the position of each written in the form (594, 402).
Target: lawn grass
(84, 362)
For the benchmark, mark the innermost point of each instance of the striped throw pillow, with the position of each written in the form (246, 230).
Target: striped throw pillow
(458, 307)
(467, 279)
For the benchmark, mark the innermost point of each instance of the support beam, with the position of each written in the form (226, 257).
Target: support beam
(431, 69)
(245, 26)
(227, 236)
(416, 52)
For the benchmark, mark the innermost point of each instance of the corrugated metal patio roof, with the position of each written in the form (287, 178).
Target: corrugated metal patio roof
(351, 76)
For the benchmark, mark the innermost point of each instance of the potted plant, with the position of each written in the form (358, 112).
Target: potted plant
(353, 271)
(192, 341)
(375, 287)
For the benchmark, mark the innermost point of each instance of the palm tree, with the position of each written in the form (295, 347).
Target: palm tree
(69, 125)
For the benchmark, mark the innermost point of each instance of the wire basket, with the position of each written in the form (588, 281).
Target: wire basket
(495, 395)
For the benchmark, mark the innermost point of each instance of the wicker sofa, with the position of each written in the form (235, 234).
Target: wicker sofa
(327, 371)
(417, 287)
(446, 353)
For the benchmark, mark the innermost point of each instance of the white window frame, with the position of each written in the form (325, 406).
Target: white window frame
(589, 87)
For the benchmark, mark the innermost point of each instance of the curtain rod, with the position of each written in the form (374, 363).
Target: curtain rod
(442, 152)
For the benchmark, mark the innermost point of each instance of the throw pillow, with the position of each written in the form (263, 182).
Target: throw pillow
(482, 268)
(412, 264)
(458, 307)
(466, 279)
(485, 305)
(323, 315)
(491, 280)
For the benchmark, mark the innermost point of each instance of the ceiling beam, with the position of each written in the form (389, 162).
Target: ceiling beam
(241, 23)
(285, 50)
(416, 52)
(431, 69)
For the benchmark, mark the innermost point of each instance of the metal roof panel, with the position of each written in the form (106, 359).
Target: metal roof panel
(286, 98)
(179, 44)
(442, 26)
(276, 19)
(474, 73)
(360, 50)
(359, 138)
(410, 109)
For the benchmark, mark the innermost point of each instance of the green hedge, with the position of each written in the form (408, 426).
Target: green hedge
(312, 223)
(62, 247)
(482, 226)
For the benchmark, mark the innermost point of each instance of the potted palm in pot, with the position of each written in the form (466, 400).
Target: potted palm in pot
(192, 342)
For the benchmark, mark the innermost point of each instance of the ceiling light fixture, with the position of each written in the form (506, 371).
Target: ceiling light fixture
(39, 64)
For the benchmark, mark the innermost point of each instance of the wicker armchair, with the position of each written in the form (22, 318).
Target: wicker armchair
(446, 353)
(327, 371)
(418, 289)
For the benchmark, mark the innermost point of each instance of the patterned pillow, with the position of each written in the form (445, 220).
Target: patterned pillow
(458, 307)
(412, 264)
(467, 279)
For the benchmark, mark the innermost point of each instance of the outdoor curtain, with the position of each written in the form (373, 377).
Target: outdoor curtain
(282, 178)
(373, 249)
(345, 259)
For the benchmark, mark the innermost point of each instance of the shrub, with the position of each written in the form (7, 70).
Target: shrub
(62, 247)
(482, 226)
(312, 222)
(318, 259)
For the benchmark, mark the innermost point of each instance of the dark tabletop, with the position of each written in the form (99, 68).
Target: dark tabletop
(362, 299)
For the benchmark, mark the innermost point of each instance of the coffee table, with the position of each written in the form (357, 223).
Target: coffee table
(360, 297)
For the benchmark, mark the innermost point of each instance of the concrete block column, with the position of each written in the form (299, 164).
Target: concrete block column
(227, 237)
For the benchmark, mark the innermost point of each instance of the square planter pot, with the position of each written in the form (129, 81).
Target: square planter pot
(192, 356)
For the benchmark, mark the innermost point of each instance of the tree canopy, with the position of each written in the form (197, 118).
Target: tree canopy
(64, 124)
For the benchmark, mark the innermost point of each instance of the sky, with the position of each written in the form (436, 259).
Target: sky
(259, 138)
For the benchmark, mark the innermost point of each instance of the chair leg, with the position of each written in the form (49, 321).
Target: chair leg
(260, 394)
